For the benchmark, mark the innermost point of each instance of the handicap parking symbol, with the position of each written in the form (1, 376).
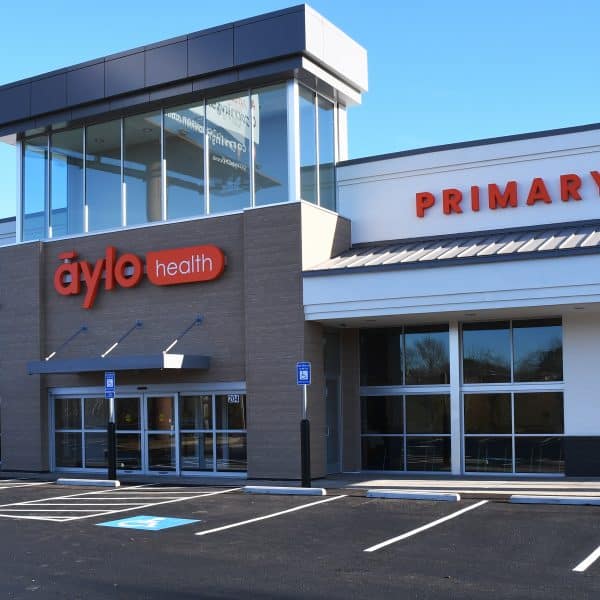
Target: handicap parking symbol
(148, 523)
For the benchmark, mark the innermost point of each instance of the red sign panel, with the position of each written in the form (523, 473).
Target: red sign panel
(185, 265)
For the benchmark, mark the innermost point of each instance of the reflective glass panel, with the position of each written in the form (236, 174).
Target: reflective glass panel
(539, 455)
(383, 453)
(195, 412)
(381, 356)
(228, 130)
(96, 450)
(35, 164)
(127, 413)
(537, 350)
(488, 454)
(427, 453)
(539, 412)
(269, 115)
(326, 155)
(308, 146)
(487, 413)
(129, 454)
(161, 452)
(8, 158)
(231, 452)
(382, 414)
(426, 355)
(67, 413)
(67, 448)
(103, 175)
(428, 414)
(142, 168)
(231, 411)
(161, 414)
(66, 197)
(486, 352)
(95, 413)
(196, 452)
(184, 155)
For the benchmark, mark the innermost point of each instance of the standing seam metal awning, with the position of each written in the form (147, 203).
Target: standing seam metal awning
(119, 363)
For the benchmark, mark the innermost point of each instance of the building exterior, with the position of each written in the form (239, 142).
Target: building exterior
(187, 218)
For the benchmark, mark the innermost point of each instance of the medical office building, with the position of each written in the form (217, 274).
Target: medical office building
(187, 218)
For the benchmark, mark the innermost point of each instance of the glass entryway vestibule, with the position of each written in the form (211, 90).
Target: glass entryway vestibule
(157, 433)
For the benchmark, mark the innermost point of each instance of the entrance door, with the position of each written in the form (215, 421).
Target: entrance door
(161, 434)
(332, 401)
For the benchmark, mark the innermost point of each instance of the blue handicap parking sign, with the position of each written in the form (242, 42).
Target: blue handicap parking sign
(303, 373)
(148, 523)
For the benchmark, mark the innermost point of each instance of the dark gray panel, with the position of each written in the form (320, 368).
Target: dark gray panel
(15, 103)
(269, 38)
(211, 52)
(582, 456)
(56, 119)
(85, 84)
(89, 111)
(49, 94)
(128, 101)
(172, 91)
(125, 74)
(166, 63)
(283, 67)
(216, 81)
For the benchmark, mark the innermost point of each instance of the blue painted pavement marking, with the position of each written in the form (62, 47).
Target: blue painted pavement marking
(148, 523)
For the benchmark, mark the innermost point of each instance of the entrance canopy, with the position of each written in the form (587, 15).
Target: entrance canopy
(119, 363)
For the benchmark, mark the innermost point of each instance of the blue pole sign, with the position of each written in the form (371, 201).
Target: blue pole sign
(303, 373)
(109, 385)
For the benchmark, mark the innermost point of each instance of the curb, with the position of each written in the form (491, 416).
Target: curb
(578, 500)
(289, 491)
(94, 482)
(416, 495)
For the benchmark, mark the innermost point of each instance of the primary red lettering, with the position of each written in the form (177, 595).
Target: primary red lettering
(451, 199)
(502, 199)
(538, 192)
(424, 201)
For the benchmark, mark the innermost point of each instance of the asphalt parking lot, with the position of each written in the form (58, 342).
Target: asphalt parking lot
(235, 545)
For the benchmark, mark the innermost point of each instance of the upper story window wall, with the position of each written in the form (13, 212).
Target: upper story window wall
(213, 156)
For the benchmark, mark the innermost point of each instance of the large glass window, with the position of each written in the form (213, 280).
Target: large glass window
(486, 352)
(103, 175)
(326, 154)
(308, 146)
(66, 197)
(228, 126)
(426, 355)
(184, 156)
(538, 350)
(142, 168)
(35, 178)
(269, 118)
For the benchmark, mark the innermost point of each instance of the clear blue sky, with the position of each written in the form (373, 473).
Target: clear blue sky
(439, 71)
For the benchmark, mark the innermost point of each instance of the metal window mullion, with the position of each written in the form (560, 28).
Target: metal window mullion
(512, 352)
(123, 184)
(81, 423)
(206, 159)
(514, 457)
(176, 432)
(404, 428)
(86, 224)
(163, 167)
(251, 151)
(20, 149)
(47, 206)
(317, 150)
(214, 431)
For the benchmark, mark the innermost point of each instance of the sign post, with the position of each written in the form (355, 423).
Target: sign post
(109, 394)
(303, 376)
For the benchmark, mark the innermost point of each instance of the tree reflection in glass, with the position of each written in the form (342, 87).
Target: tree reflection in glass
(486, 352)
(426, 356)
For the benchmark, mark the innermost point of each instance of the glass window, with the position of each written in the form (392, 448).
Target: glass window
(486, 352)
(231, 452)
(103, 175)
(428, 414)
(427, 453)
(67, 413)
(127, 413)
(381, 357)
(538, 350)
(488, 454)
(66, 197)
(195, 412)
(184, 156)
(228, 130)
(326, 154)
(67, 448)
(383, 453)
(196, 452)
(269, 118)
(8, 159)
(161, 452)
(308, 146)
(142, 168)
(382, 414)
(96, 450)
(426, 355)
(231, 411)
(488, 413)
(35, 165)
(95, 413)
(539, 455)
(160, 412)
(129, 454)
(539, 412)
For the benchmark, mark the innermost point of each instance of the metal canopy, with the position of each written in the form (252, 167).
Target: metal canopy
(119, 363)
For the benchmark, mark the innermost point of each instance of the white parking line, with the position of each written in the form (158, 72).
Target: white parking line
(586, 562)
(424, 527)
(271, 516)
